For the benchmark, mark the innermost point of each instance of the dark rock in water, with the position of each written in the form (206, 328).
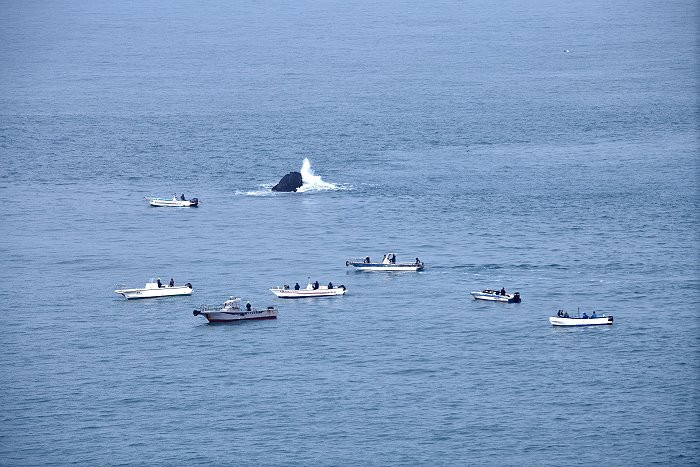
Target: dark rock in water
(289, 182)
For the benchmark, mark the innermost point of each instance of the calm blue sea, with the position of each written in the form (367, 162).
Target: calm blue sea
(546, 147)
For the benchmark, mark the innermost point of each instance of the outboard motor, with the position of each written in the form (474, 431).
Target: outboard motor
(516, 297)
(188, 285)
(196, 312)
(194, 201)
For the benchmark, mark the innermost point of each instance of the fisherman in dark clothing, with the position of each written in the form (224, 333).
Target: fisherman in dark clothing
(417, 261)
(503, 290)
(316, 285)
(159, 284)
(172, 282)
(296, 286)
(330, 285)
(367, 260)
(182, 197)
(247, 306)
(393, 258)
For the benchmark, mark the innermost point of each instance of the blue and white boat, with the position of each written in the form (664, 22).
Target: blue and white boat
(173, 202)
(311, 290)
(388, 263)
(497, 296)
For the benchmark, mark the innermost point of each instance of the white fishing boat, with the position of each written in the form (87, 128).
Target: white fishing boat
(155, 289)
(595, 319)
(231, 311)
(497, 296)
(173, 202)
(311, 290)
(388, 263)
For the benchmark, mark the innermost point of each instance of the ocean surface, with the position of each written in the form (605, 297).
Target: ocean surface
(546, 147)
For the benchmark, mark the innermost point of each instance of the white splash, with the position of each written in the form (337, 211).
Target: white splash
(265, 190)
(310, 183)
(313, 182)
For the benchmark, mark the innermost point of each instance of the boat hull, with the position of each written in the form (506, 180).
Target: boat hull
(602, 321)
(132, 294)
(234, 316)
(307, 293)
(172, 203)
(508, 298)
(386, 267)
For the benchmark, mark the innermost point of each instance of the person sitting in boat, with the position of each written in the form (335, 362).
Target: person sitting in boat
(366, 261)
(593, 315)
(172, 282)
(247, 306)
(286, 287)
(159, 284)
(316, 285)
(417, 261)
(585, 316)
(296, 286)
(560, 314)
(330, 285)
(566, 314)
(503, 290)
(182, 197)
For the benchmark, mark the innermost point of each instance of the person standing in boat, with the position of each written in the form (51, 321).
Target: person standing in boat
(172, 282)
(393, 259)
(159, 284)
(316, 285)
(247, 306)
(182, 197)
(296, 286)
(330, 285)
(503, 290)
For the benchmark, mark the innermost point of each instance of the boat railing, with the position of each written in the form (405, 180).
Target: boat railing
(215, 307)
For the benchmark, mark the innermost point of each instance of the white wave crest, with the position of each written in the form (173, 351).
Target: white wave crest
(311, 181)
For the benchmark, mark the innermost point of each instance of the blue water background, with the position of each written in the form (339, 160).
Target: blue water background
(463, 133)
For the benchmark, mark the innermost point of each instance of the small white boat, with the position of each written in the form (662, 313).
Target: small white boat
(497, 296)
(387, 264)
(231, 311)
(563, 319)
(153, 290)
(311, 290)
(173, 202)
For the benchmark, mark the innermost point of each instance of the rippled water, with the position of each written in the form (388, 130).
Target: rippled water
(459, 132)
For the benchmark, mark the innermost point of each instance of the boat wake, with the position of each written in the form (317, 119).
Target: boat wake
(310, 183)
